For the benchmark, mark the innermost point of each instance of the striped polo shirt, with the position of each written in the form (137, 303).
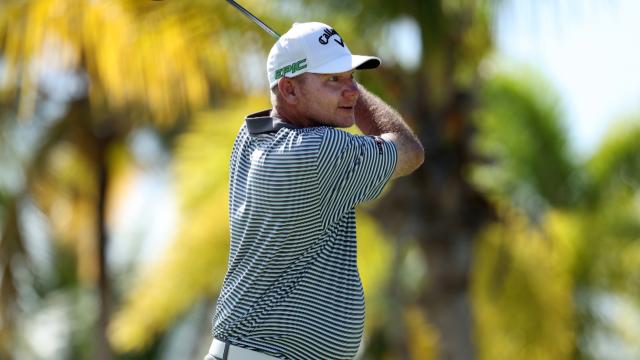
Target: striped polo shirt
(292, 288)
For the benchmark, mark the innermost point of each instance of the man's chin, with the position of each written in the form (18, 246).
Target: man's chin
(347, 122)
(343, 122)
(344, 125)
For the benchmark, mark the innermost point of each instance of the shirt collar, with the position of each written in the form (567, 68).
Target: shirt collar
(262, 123)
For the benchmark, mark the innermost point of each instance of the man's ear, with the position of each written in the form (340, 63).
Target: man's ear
(288, 90)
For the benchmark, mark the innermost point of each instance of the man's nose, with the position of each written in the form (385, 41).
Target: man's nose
(351, 89)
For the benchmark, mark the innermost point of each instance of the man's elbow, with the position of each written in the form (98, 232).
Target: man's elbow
(417, 156)
(410, 160)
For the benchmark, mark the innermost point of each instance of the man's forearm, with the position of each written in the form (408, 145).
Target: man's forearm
(375, 117)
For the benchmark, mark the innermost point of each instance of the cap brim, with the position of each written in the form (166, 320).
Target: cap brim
(347, 63)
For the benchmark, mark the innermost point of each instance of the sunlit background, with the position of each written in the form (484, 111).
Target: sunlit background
(518, 239)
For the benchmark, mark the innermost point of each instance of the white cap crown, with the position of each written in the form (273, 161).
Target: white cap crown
(313, 47)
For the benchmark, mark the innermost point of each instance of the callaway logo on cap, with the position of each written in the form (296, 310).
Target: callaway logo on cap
(313, 47)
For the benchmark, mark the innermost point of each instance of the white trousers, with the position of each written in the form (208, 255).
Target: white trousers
(220, 350)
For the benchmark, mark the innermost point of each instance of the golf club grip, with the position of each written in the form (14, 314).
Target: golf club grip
(254, 19)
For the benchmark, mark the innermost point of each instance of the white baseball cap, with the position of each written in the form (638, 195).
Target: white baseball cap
(313, 47)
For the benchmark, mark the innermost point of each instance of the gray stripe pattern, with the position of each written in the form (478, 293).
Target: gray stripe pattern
(292, 288)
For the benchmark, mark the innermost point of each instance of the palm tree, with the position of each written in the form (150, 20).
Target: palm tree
(133, 63)
(580, 216)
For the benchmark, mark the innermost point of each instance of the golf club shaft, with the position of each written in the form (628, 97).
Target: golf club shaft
(254, 19)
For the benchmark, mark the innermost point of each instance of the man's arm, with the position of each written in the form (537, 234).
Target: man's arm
(375, 117)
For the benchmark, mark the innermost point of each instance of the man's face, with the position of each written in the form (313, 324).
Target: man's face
(328, 99)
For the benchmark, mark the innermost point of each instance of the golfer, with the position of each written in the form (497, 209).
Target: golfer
(292, 289)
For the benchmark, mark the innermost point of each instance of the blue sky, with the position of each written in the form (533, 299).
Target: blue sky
(587, 49)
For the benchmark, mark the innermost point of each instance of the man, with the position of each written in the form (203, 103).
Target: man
(292, 289)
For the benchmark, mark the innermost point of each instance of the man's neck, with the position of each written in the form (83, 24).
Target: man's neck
(291, 116)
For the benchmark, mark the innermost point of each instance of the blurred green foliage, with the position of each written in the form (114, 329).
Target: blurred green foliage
(583, 212)
(521, 132)
(522, 289)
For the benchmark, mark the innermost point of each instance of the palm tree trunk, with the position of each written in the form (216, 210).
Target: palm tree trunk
(456, 213)
(446, 300)
(439, 207)
(103, 349)
(398, 343)
(10, 246)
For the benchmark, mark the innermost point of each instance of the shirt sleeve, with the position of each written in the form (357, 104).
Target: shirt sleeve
(352, 169)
